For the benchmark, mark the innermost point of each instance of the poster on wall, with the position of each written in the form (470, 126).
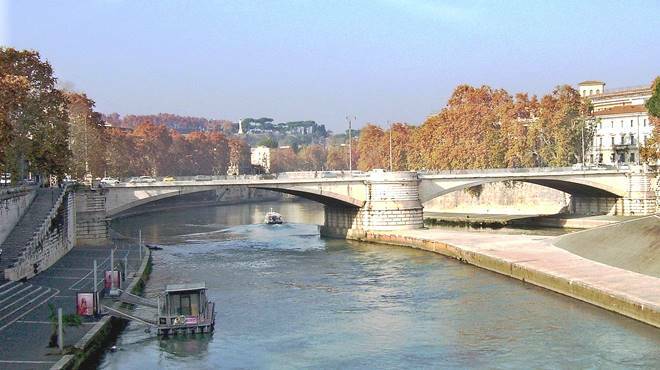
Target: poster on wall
(109, 279)
(85, 304)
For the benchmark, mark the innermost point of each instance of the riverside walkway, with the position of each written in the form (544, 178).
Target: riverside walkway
(25, 327)
(534, 259)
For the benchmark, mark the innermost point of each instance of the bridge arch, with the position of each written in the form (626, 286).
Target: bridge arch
(327, 198)
(582, 187)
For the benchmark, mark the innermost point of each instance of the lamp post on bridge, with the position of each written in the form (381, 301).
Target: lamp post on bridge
(350, 144)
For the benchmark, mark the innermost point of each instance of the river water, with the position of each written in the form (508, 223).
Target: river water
(287, 298)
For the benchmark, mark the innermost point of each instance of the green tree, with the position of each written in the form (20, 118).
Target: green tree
(268, 142)
(650, 152)
(87, 137)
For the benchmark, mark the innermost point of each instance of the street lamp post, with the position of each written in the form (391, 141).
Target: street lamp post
(390, 125)
(350, 144)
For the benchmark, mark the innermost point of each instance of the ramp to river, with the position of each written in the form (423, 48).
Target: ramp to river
(633, 245)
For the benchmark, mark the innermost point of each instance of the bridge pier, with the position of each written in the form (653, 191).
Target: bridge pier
(640, 199)
(392, 204)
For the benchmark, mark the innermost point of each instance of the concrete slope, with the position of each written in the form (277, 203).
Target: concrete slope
(632, 245)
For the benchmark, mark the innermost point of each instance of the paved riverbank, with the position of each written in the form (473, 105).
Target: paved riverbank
(535, 260)
(24, 324)
(502, 220)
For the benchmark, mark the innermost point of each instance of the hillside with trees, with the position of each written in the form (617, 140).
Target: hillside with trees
(182, 124)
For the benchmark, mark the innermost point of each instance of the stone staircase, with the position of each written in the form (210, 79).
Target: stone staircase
(24, 230)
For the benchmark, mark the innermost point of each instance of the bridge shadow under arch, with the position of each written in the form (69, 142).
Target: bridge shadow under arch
(581, 188)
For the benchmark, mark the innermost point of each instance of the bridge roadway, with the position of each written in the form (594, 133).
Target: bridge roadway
(380, 200)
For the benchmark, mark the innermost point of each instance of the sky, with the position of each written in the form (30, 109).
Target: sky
(377, 60)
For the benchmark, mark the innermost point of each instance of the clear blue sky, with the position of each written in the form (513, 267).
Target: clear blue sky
(297, 60)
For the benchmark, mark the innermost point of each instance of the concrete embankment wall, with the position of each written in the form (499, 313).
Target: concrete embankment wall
(52, 240)
(637, 306)
(502, 198)
(11, 211)
(632, 245)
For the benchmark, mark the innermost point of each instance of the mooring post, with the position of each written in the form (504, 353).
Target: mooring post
(60, 331)
(95, 277)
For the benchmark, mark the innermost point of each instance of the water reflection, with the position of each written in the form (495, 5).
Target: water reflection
(288, 298)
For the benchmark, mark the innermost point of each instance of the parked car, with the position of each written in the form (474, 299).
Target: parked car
(169, 179)
(147, 179)
(133, 180)
(203, 178)
(109, 181)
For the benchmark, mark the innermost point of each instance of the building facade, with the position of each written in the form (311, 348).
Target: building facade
(621, 122)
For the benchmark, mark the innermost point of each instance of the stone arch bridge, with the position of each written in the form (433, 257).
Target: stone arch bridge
(381, 200)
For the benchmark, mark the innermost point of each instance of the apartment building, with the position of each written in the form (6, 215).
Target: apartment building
(621, 121)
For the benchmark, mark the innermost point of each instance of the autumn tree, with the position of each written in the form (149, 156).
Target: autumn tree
(283, 160)
(556, 133)
(219, 153)
(153, 143)
(33, 125)
(372, 148)
(87, 136)
(337, 158)
(121, 154)
(312, 157)
(181, 156)
(239, 153)
(464, 134)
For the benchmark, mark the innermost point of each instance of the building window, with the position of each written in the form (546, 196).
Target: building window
(612, 140)
(597, 91)
(632, 139)
(600, 141)
(612, 123)
(591, 158)
(623, 141)
(591, 92)
(600, 158)
(631, 122)
(621, 123)
(622, 157)
(644, 122)
(632, 157)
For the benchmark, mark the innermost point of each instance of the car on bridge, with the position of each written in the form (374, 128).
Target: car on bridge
(109, 181)
(168, 179)
(203, 178)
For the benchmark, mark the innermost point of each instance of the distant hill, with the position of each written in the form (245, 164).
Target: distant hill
(182, 124)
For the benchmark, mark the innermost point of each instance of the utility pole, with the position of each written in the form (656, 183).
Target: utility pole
(350, 144)
(95, 277)
(582, 146)
(390, 125)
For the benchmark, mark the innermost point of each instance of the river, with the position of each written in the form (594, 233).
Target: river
(287, 298)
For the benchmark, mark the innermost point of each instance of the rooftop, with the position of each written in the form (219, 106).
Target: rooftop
(621, 110)
(592, 82)
(184, 287)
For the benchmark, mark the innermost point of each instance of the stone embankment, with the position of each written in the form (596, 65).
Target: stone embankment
(27, 233)
(534, 259)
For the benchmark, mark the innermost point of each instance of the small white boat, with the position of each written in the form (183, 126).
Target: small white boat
(273, 218)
